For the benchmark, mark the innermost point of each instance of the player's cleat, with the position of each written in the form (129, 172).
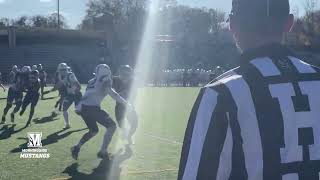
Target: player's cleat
(21, 112)
(67, 126)
(27, 125)
(56, 105)
(75, 152)
(103, 155)
(12, 117)
(3, 120)
(54, 114)
(60, 107)
(131, 141)
(46, 92)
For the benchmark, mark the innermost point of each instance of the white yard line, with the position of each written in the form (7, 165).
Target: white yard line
(163, 139)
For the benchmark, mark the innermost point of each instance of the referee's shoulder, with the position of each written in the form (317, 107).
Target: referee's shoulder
(224, 79)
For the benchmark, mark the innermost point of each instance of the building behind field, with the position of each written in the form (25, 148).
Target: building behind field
(83, 50)
(27, 46)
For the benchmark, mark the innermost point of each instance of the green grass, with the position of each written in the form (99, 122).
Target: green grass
(163, 114)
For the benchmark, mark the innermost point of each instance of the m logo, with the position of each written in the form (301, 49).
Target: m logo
(34, 139)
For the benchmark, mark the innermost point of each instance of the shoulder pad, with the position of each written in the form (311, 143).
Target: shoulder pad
(72, 77)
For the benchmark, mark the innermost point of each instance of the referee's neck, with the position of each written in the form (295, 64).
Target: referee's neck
(254, 43)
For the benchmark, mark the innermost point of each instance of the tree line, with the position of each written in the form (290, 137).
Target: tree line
(37, 21)
(187, 35)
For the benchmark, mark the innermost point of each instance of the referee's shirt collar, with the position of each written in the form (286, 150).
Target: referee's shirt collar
(269, 50)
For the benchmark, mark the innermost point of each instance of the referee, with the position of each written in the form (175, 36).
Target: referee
(260, 121)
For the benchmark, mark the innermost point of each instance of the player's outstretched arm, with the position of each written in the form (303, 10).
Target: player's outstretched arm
(117, 97)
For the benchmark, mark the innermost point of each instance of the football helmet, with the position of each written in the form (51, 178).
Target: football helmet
(26, 69)
(34, 67)
(125, 72)
(103, 71)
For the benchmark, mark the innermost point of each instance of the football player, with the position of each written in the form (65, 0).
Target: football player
(62, 68)
(32, 95)
(90, 110)
(123, 85)
(34, 68)
(4, 89)
(12, 74)
(73, 93)
(15, 92)
(61, 73)
(43, 79)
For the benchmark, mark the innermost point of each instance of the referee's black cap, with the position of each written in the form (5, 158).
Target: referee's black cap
(260, 9)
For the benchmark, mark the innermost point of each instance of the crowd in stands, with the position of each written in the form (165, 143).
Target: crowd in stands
(185, 77)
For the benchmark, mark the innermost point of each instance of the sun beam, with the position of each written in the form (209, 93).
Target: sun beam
(142, 69)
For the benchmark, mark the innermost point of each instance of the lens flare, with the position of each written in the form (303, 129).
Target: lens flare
(142, 70)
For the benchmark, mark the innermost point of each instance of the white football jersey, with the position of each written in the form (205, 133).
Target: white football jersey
(71, 82)
(96, 91)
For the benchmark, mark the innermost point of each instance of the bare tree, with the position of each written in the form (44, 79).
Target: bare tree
(4, 22)
(310, 8)
(23, 21)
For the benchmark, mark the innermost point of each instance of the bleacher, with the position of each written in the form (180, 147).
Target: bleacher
(81, 59)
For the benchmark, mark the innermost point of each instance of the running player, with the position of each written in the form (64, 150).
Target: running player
(62, 68)
(43, 79)
(90, 109)
(4, 89)
(32, 95)
(12, 74)
(73, 93)
(34, 68)
(16, 93)
(69, 89)
(123, 85)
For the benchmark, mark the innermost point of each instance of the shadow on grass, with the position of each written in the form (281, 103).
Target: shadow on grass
(52, 138)
(107, 169)
(43, 120)
(3, 98)
(48, 98)
(6, 131)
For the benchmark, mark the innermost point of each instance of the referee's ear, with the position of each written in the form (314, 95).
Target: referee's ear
(289, 23)
(233, 26)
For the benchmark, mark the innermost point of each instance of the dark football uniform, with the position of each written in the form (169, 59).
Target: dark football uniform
(123, 88)
(12, 77)
(15, 94)
(32, 95)
(16, 90)
(43, 81)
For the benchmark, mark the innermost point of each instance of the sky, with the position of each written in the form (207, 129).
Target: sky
(74, 10)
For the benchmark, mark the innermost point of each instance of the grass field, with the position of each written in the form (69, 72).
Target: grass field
(163, 114)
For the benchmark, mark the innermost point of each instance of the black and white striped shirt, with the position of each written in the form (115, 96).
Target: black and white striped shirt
(260, 121)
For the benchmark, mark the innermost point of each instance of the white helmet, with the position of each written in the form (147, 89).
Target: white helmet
(26, 69)
(69, 69)
(103, 70)
(62, 66)
(34, 67)
(15, 67)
